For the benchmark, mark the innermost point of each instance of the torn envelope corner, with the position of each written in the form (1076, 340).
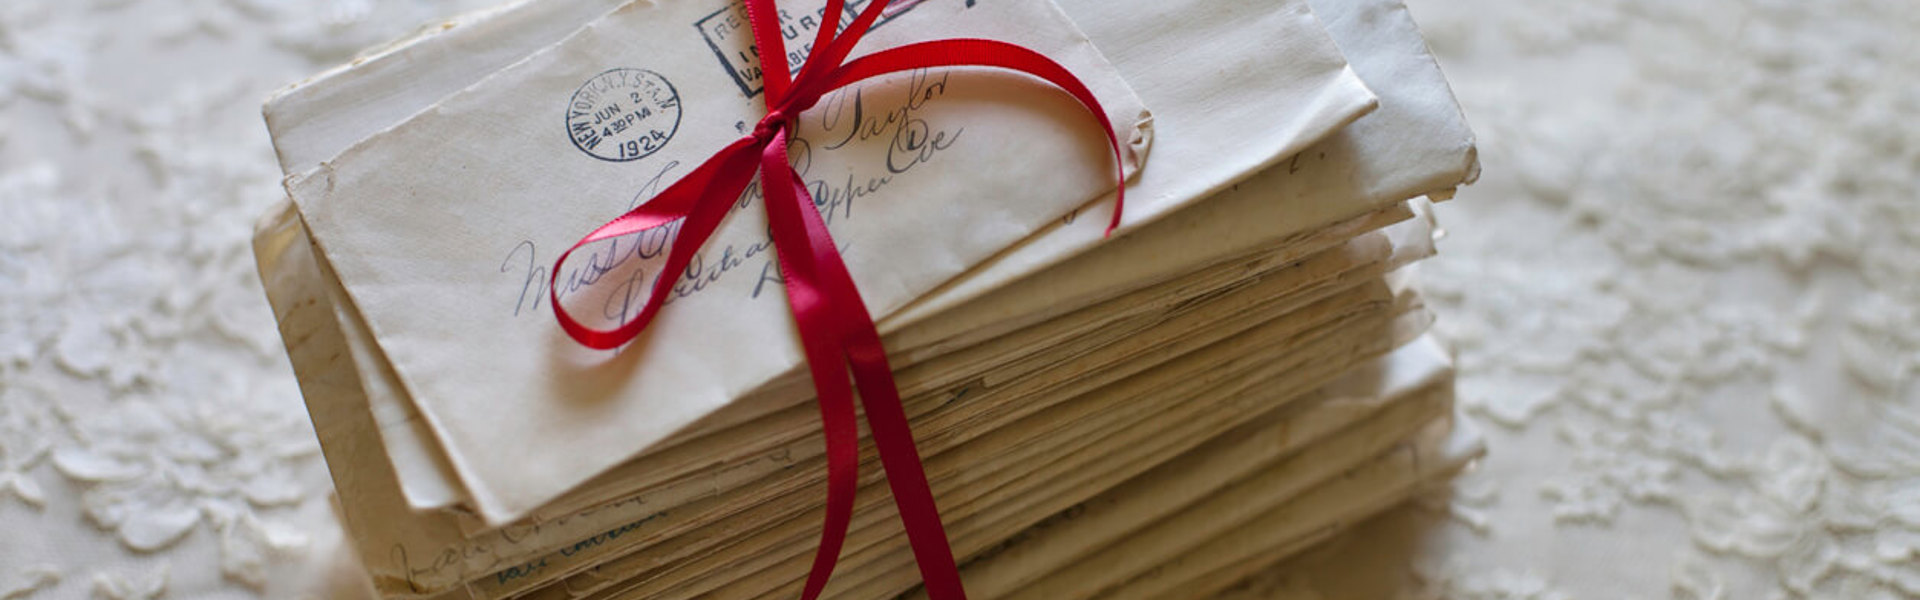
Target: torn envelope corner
(1473, 161)
(1140, 144)
(1469, 173)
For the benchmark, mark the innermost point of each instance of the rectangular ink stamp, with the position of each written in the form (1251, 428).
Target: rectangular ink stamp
(727, 33)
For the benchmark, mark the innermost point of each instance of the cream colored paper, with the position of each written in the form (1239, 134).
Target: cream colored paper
(1208, 391)
(1434, 454)
(1255, 84)
(1444, 165)
(1328, 350)
(1314, 468)
(1283, 90)
(316, 119)
(389, 534)
(1436, 160)
(1442, 162)
(441, 233)
(1417, 143)
(379, 527)
(1410, 385)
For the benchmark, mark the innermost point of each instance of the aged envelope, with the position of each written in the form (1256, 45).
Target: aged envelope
(1417, 143)
(1412, 384)
(316, 119)
(440, 228)
(385, 534)
(1156, 412)
(1277, 81)
(1407, 149)
(1102, 378)
(408, 551)
(1261, 523)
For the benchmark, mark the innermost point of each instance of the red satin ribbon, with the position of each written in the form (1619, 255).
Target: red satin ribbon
(836, 331)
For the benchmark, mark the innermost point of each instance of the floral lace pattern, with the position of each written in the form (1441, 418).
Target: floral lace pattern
(1686, 299)
(152, 443)
(1686, 302)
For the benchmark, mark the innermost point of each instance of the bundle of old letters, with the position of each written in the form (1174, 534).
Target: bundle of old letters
(1239, 371)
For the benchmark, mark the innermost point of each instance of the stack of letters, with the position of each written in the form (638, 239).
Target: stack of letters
(1237, 372)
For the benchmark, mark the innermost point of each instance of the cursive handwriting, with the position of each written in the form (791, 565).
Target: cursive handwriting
(846, 119)
(910, 140)
(450, 557)
(607, 536)
(462, 556)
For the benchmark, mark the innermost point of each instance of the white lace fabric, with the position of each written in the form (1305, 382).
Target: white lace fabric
(1685, 294)
(1686, 301)
(152, 442)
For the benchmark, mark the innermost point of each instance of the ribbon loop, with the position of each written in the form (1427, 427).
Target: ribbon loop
(836, 331)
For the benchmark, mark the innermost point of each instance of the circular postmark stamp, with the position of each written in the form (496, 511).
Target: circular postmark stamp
(623, 114)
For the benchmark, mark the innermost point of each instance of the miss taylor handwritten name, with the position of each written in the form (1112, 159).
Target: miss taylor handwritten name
(844, 119)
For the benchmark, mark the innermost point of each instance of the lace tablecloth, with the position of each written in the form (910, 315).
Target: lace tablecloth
(1686, 298)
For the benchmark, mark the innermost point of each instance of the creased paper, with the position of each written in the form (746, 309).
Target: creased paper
(1301, 98)
(441, 229)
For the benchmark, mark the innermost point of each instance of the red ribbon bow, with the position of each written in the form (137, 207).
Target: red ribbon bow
(836, 330)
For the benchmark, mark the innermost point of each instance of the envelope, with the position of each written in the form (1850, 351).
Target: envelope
(1335, 99)
(1416, 143)
(1411, 385)
(1054, 364)
(1246, 373)
(441, 229)
(1098, 412)
(317, 118)
(1260, 526)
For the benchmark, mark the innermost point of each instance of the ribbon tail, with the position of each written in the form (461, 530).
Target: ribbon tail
(893, 435)
(840, 426)
(821, 337)
(880, 396)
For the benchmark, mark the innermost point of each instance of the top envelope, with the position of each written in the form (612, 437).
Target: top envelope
(441, 229)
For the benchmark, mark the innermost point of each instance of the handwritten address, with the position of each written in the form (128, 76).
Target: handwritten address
(626, 263)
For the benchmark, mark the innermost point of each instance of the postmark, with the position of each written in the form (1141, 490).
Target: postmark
(623, 114)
